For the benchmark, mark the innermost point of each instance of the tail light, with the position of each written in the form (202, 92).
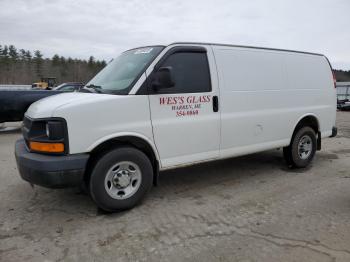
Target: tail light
(334, 80)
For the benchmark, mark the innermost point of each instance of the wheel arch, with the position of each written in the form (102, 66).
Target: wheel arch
(138, 141)
(312, 121)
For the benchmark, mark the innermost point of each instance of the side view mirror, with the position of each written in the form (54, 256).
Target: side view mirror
(163, 78)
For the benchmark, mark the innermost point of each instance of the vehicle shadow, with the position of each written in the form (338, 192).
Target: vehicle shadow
(226, 170)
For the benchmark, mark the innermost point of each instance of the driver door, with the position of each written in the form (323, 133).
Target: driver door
(185, 117)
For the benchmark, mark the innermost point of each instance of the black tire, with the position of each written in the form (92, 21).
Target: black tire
(292, 152)
(99, 172)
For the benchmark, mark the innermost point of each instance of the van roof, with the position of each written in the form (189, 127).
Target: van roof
(252, 47)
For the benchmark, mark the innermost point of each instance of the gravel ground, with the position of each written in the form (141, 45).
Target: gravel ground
(250, 208)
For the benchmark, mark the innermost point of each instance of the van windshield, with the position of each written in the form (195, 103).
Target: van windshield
(122, 72)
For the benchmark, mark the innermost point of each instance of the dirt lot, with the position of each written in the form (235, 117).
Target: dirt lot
(246, 209)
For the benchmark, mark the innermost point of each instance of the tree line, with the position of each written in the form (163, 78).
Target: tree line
(20, 66)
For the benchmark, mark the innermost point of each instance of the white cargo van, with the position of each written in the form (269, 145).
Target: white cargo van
(162, 107)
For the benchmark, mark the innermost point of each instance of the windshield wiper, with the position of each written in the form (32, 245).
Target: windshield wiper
(96, 88)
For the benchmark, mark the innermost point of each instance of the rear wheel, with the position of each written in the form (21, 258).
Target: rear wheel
(302, 148)
(120, 179)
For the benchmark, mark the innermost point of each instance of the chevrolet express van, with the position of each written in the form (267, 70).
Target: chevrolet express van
(160, 107)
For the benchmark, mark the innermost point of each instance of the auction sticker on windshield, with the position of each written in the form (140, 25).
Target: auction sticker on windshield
(143, 50)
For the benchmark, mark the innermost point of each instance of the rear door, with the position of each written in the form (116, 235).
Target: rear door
(185, 117)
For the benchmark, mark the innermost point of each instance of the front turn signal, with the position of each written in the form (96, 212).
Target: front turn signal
(47, 147)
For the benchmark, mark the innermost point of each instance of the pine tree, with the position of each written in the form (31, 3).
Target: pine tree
(5, 63)
(55, 60)
(22, 54)
(13, 54)
(62, 60)
(91, 62)
(28, 56)
(5, 52)
(38, 61)
(38, 55)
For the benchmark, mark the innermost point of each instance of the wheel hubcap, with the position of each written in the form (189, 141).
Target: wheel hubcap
(305, 147)
(123, 180)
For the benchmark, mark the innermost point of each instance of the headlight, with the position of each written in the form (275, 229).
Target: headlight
(55, 130)
(46, 135)
(47, 130)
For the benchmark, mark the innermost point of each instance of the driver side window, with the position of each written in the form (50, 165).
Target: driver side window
(190, 73)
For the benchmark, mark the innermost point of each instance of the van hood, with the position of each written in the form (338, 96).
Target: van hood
(46, 107)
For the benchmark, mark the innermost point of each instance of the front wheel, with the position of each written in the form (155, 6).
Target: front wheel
(120, 179)
(302, 148)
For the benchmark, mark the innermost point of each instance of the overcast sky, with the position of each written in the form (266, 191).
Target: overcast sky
(104, 28)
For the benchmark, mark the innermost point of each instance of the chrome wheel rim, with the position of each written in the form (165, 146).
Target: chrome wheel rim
(305, 147)
(123, 180)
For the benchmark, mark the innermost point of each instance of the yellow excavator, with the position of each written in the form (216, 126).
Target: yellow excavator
(45, 83)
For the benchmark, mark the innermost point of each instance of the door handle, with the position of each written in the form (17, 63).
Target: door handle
(215, 103)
